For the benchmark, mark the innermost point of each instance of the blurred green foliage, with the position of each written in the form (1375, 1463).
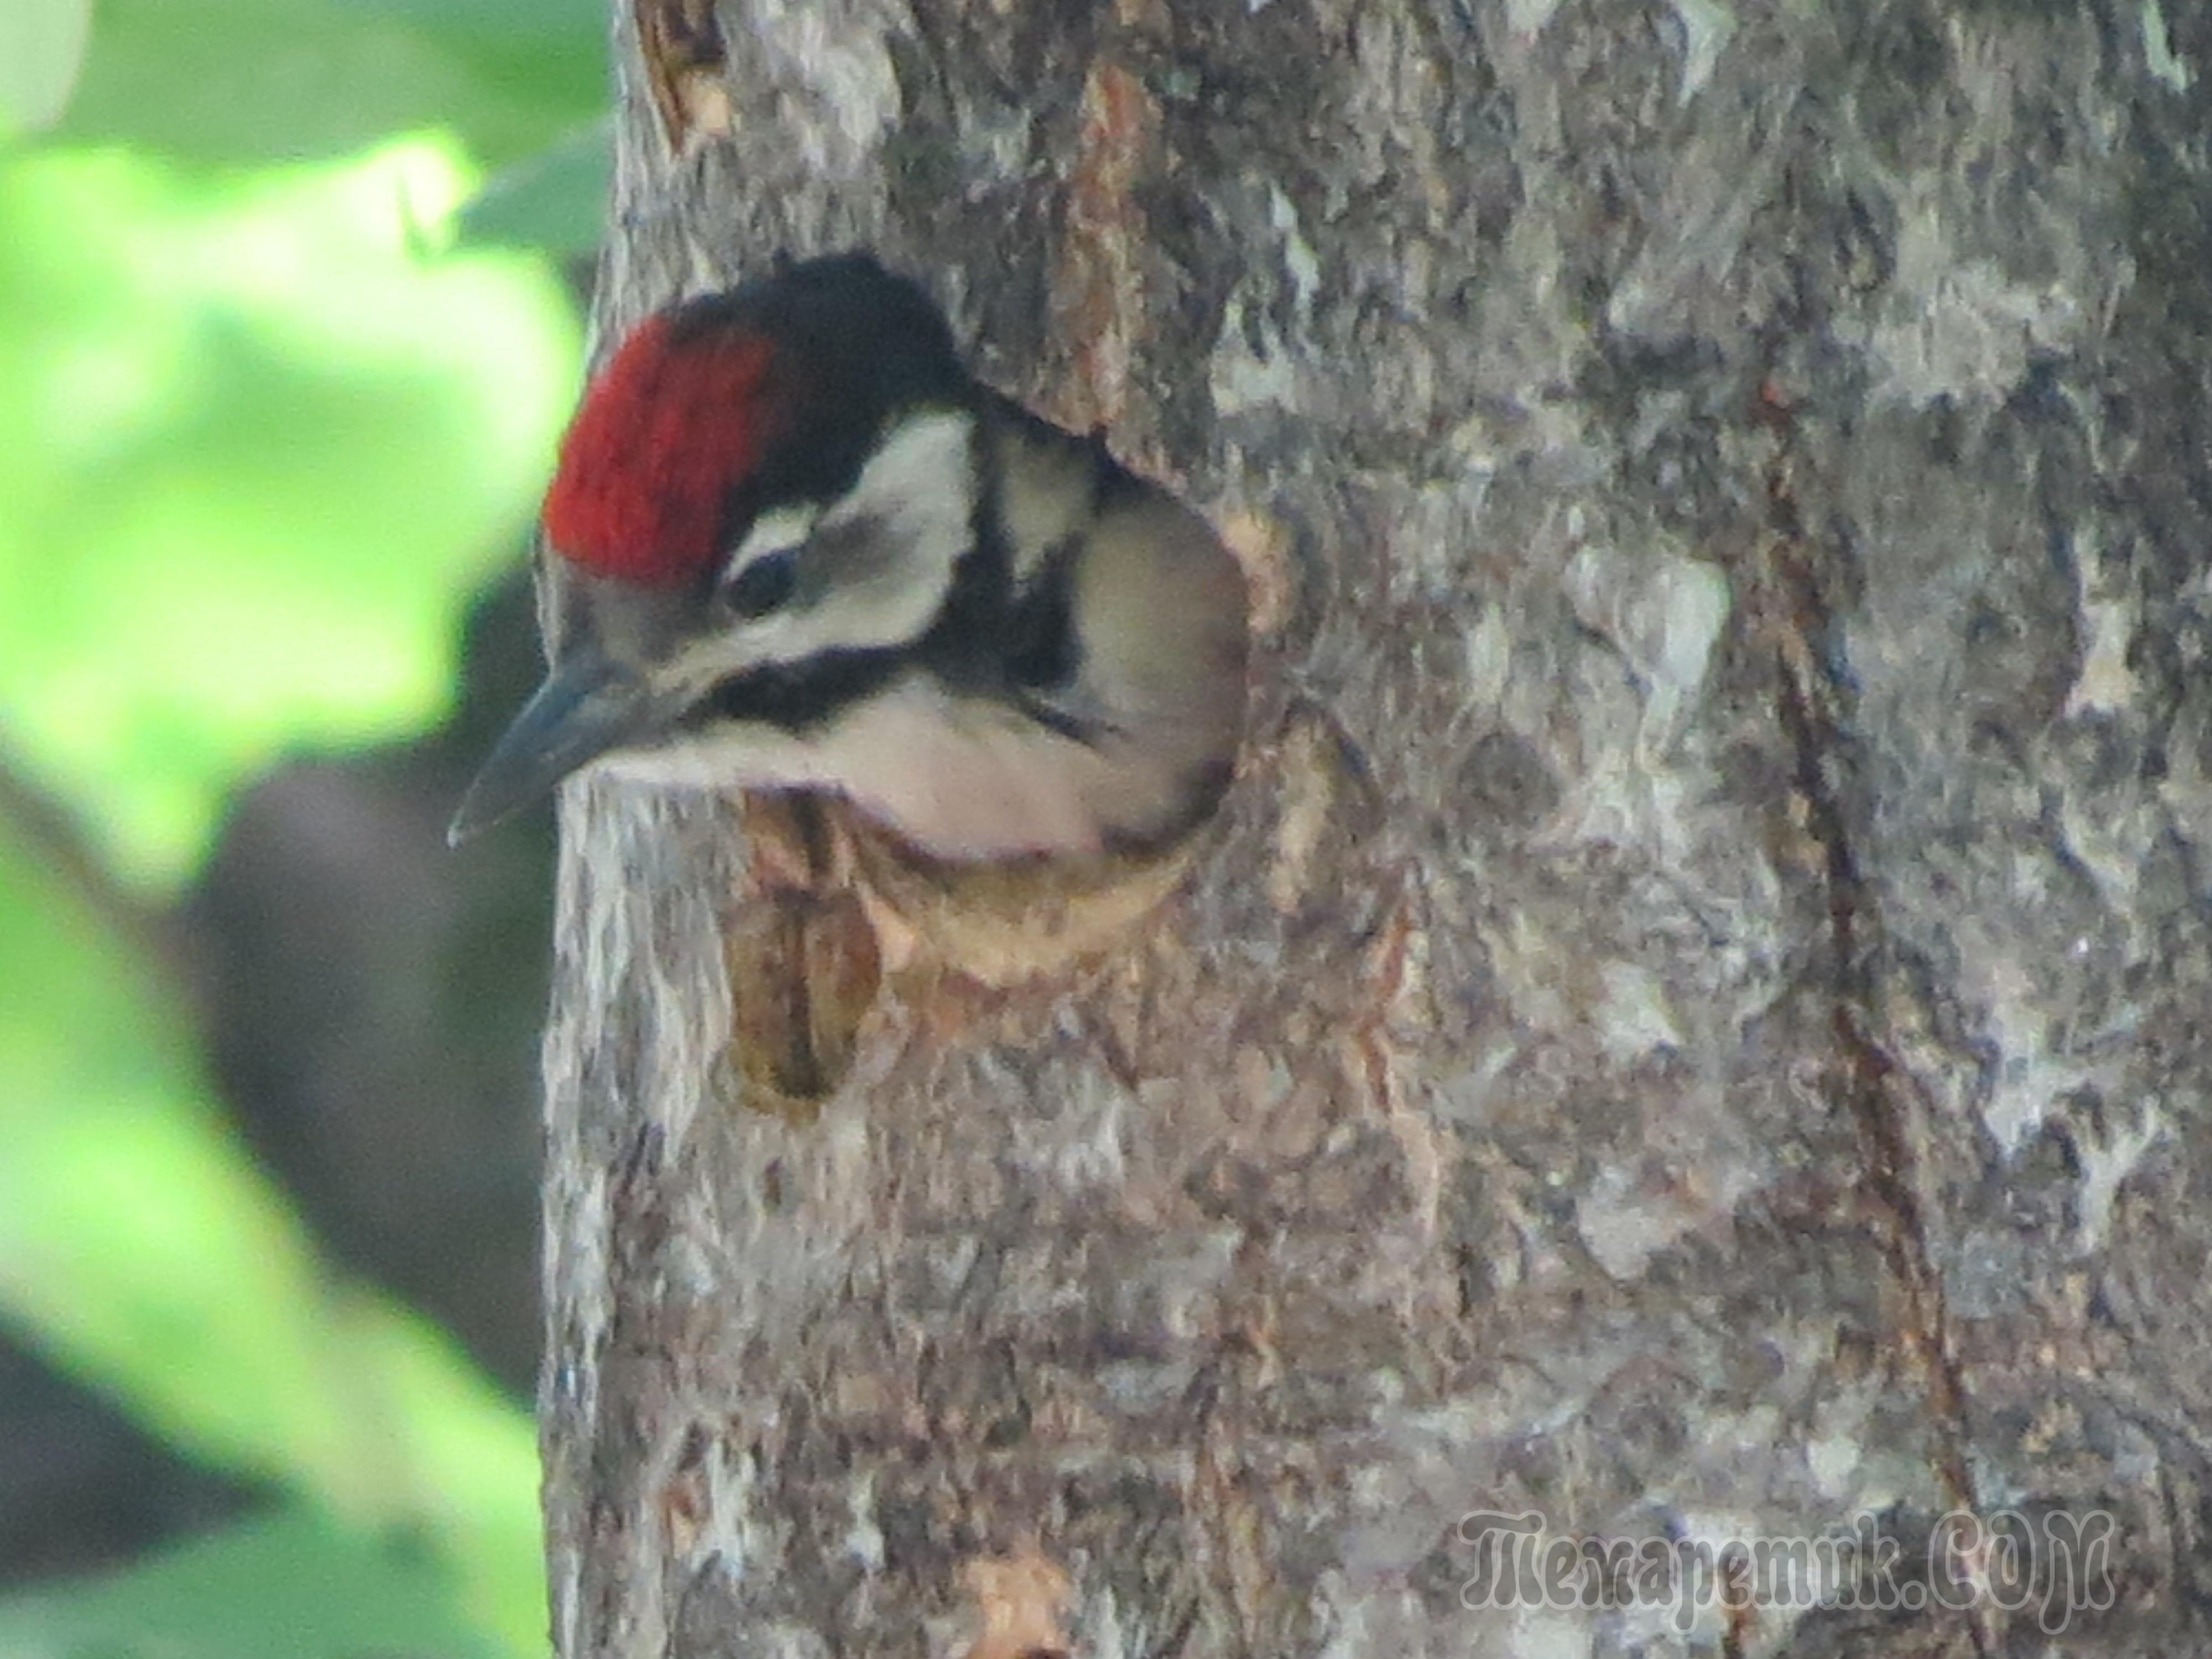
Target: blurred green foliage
(258, 440)
(41, 50)
(255, 80)
(280, 374)
(274, 1588)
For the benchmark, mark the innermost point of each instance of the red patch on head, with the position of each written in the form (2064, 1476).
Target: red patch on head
(672, 423)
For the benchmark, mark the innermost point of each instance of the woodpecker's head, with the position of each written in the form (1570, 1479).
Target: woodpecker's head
(766, 497)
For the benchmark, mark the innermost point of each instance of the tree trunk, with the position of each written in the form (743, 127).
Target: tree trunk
(1691, 1025)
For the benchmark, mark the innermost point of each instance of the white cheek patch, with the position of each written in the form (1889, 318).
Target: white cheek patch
(907, 521)
(880, 558)
(921, 479)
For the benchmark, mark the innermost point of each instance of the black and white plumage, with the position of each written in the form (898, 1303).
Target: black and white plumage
(800, 548)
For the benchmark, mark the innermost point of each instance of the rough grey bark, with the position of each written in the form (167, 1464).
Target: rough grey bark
(1693, 1022)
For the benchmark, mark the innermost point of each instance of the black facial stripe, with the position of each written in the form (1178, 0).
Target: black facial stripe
(799, 696)
(965, 646)
(1041, 650)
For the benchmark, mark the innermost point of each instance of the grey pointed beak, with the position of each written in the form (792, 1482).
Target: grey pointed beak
(585, 708)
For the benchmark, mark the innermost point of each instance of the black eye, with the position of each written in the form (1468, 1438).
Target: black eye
(764, 584)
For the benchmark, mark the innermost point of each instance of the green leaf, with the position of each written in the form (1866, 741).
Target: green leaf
(256, 444)
(290, 1585)
(556, 200)
(276, 79)
(42, 48)
(143, 1250)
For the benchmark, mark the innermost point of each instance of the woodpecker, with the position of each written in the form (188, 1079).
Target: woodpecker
(795, 546)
